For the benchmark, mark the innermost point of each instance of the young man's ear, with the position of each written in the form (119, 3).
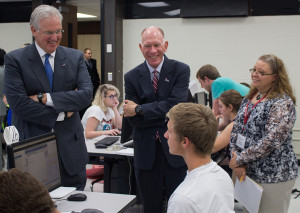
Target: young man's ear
(186, 142)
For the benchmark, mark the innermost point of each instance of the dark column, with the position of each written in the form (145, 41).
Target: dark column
(112, 43)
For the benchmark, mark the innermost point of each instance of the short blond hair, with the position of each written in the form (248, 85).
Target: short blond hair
(197, 123)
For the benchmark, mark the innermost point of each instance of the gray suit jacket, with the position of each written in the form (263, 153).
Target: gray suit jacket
(2, 105)
(72, 91)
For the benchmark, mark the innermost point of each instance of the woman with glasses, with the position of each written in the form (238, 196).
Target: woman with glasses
(103, 117)
(262, 135)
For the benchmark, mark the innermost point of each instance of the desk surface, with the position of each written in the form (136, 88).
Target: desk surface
(106, 202)
(103, 152)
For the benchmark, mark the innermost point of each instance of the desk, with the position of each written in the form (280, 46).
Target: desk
(118, 168)
(106, 202)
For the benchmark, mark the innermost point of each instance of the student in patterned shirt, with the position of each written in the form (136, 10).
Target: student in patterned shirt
(103, 117)
(261, 138)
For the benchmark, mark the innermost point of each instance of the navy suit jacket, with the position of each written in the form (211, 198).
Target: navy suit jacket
(72, 91)
(172, 89)
(94, 75)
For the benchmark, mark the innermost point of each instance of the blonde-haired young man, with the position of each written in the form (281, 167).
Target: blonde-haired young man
(192, 130)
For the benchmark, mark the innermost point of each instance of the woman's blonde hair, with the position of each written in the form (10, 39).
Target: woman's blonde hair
(102, 93)
(281, 84)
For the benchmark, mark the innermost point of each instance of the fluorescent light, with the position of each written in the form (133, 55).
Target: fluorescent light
(81, 15)
(173, 12)
(154, 4)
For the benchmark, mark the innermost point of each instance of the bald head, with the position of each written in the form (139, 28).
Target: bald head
(153, 45)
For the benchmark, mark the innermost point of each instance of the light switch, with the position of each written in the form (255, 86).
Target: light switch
(109, 76)
(108, 48)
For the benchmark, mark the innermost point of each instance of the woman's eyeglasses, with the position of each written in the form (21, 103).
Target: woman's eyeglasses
(259, 73)
(112, 96)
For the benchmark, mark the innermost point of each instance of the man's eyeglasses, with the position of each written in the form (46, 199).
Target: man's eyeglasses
(50, 33)
(167, 120)
(112, 96)
(259, 73)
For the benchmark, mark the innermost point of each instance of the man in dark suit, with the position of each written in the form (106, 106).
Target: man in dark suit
(46, 85)
(151, 89)
(91, 65)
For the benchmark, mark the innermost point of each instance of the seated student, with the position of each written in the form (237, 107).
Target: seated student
(21, 192)
(192, 130)
(229, 104)
(103, 118)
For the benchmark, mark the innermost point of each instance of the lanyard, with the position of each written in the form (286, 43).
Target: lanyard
(246, 115)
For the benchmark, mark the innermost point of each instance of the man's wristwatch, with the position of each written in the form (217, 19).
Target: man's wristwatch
(40, 97)
(138, 110)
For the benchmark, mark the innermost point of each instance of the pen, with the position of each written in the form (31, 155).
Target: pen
(241, 178)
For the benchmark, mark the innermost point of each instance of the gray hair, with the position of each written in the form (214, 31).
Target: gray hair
(41, 12)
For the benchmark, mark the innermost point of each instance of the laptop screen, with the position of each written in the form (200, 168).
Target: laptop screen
(39, 157)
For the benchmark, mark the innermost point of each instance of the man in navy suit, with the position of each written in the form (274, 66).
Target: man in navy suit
(158, 173)
(40, 106)
(91, 65)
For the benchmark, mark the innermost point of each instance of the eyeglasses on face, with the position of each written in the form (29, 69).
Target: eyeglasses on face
(259, 73)
(50, 33)
(112, 96)
(167, 120)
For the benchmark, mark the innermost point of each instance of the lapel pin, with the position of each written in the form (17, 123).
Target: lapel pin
(63, 65)
(166, 80)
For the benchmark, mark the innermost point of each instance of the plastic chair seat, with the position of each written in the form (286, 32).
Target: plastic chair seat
(97, 173)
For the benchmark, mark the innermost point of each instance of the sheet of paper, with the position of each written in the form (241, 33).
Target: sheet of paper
(127, 151)
(248, 193)
(61, 192)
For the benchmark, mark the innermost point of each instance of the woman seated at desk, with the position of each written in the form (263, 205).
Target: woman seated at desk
(103, 117)
(229, 105)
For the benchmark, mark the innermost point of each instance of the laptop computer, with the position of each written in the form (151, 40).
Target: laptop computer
(39, 157)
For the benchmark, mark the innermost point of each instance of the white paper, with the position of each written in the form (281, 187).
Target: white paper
(194, 87)
(127, 151)
(61, 192)
(248, 193)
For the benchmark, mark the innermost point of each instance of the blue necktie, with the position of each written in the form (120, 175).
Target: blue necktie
(48, 70)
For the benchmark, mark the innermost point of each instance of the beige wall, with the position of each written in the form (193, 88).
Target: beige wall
(14, 35)
(93, 42)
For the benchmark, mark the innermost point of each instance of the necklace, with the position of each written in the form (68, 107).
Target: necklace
(259, 96)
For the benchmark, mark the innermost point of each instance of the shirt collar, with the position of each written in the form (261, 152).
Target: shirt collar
(42, 52)
(158, 68)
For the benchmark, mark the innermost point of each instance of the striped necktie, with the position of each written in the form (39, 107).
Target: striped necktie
(155, 85)
(155, 80)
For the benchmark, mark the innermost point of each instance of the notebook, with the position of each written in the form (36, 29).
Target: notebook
(39, 157)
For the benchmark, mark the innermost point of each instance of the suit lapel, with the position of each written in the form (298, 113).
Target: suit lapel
(60, 68)
(38, 68)
(145, 82)
(165, 78)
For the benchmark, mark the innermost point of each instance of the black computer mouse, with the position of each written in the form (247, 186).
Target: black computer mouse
(100, 146)
(91, 211)
(77, 197)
